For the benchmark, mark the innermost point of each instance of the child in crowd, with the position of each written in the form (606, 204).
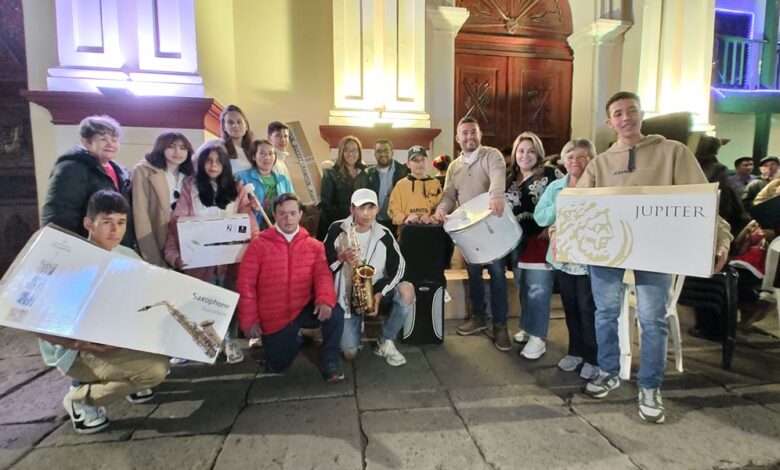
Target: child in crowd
(237, 137)
(211, 192)
(441, 164)
(104, 373)
(157, 184)
(414, 198)
(267, 182)
(573, 279)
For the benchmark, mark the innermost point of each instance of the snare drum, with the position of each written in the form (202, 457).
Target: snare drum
(479, 235)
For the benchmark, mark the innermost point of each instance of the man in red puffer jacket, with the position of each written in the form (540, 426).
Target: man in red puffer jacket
(285, 285)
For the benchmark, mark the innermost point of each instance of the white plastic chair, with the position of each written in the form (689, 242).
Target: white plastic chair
(628, 317)
(770, 271)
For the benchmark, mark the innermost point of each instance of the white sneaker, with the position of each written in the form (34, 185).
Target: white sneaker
(386, 348)
(569, 363)
(534, 349)
(177, 360)
(520, 337)
(651, 407)
(93, 419)
(233, 352)
(255, 343)
(589, 371)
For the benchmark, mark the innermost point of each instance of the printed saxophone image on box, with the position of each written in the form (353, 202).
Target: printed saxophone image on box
(63, 285)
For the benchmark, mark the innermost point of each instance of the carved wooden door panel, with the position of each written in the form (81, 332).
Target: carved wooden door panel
(513, 70)
(540, 101)
(480, 92)
(18, 204)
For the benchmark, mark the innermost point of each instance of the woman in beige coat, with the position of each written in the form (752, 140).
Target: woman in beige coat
(157, 183)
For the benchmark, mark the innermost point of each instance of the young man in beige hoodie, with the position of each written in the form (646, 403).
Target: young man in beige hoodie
(638, 160)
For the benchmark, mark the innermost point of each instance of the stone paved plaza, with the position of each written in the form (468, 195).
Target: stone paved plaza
(461, 405)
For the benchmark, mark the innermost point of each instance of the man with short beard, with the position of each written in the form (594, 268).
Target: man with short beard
(479, 169)
(383, 177)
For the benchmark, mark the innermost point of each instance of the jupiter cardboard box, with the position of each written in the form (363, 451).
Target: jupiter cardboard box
(667, 229)
(63, 285)
(212, 241)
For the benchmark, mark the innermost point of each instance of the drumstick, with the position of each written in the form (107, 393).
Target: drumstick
(250, 191)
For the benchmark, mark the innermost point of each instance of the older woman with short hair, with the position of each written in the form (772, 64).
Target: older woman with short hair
(84, 170)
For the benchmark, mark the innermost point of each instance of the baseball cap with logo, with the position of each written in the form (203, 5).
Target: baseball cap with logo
(416, 150)
(364, 196)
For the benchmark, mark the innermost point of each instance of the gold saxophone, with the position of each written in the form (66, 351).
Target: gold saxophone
(362, 279)
(204, 336)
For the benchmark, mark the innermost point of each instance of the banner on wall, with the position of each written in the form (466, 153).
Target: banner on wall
(667, 229)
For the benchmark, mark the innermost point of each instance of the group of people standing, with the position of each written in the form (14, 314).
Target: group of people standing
(289, 280)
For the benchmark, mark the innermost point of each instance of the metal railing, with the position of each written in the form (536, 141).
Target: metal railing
(737, 62)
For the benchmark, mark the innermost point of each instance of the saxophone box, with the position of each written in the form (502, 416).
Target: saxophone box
(63, 285)
(212, 241)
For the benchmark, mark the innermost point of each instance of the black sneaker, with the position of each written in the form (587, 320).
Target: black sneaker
(92, 419)
(141, 396)
(333, 374)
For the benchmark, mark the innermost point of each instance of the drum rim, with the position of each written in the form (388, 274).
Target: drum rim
(497, 257)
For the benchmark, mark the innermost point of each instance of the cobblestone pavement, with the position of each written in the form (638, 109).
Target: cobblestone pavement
(461, 405)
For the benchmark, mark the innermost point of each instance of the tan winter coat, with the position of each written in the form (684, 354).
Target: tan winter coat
(151, 211)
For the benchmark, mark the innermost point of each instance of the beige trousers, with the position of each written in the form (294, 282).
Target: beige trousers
(108, 376)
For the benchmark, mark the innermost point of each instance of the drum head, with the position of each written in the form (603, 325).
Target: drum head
(468, 214)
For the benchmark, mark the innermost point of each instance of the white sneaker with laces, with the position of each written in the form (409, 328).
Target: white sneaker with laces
(255, 343)
(520, 337)
(534, 348)
(569, 363)
(386, 348)
(233, 352)
(92, 419)
(651, 407)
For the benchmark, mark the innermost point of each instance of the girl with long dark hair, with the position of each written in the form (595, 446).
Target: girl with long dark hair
(157, 184)
(339, 182)
(237, 137)
(212, 192)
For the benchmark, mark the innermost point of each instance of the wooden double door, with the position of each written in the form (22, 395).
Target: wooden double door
(513, 71)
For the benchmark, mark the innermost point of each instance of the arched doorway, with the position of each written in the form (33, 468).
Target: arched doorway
(513, 70)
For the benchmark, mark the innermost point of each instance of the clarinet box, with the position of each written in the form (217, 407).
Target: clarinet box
(213, 241)
(63, 285)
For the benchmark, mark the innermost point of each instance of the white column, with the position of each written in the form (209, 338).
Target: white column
(444, 22)
(147, 47)
(379, 63)
(598, 51)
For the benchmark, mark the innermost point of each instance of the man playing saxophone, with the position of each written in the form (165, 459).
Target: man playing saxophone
(351, 245)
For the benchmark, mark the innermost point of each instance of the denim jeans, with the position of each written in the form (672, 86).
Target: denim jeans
(498, 292)
(282, 346)
(353, 326)
(580, 310)
(652, 290)
(535, 289)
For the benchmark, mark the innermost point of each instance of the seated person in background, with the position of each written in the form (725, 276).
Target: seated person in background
(285, 285)
(768, 167)
(743, 169)
(415, 197)
(359, 240)
(105, 373)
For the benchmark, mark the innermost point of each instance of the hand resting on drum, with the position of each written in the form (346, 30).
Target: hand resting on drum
(496, 205)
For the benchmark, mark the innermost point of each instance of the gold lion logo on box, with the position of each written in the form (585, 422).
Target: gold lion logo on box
(588, 234)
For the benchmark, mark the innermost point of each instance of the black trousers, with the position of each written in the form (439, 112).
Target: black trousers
(580, 311)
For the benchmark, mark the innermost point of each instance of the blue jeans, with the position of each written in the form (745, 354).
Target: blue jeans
(652, 290)
(535, 289)
(282, 346)
(498, 295)
(353, 326)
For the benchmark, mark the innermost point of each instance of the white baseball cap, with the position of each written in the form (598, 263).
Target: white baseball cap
(364, 196)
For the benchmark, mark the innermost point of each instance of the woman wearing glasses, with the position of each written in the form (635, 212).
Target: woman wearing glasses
(157, 183)
(338, 183)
